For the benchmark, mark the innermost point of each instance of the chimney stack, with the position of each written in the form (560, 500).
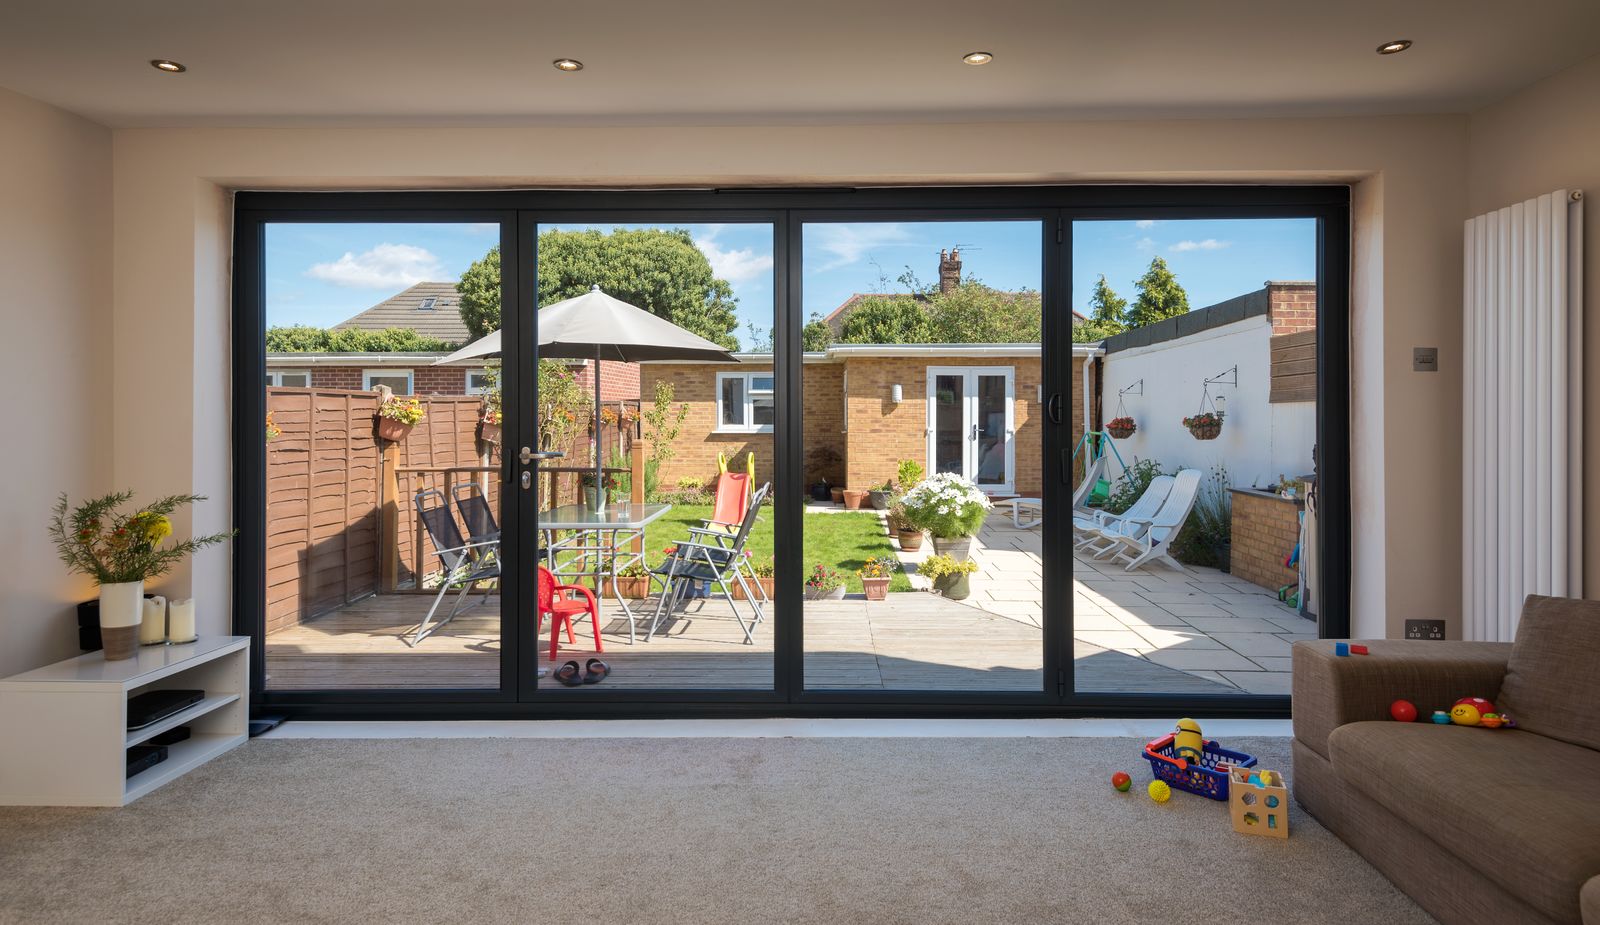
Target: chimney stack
(949, 269)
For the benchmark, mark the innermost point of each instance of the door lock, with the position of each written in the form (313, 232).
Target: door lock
(527, 479)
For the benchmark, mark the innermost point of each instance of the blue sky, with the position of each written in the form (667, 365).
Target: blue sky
(324, 273)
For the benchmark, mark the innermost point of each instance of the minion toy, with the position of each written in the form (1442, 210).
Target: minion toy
(1188, 743)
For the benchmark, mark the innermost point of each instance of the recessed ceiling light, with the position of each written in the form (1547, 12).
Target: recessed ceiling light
(171, 67)
(1394, 47)
(568, 64)
(977, 57)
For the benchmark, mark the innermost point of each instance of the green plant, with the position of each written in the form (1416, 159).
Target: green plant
(909, 473)
(823, 578)
(634, 570)
(303, 339)
(947, 506)
(887, 486)
(763, 568)
(937, 567)
(899, 520)
(404, 410)
(662, 422)
(1210, 524)
(1204, 419)
(1131, 484)
(95, 540)
(273, 430)
(879, 567)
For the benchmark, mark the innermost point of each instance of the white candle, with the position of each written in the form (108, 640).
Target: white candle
(153, 629)
(180, 620)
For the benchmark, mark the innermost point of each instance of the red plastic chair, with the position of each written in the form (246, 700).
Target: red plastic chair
(733, 498)
(555, 602)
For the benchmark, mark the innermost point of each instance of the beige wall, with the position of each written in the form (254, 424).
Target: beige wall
(55, 259)
(1542, 139)
(1410, 176)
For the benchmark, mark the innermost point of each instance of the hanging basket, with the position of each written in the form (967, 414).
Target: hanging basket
(392, 430)
(1204, 426)
(1121, 428)
(489, 431)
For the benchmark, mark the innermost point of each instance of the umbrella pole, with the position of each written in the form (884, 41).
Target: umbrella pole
(599, 475)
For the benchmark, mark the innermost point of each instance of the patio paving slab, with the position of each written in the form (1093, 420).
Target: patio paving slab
(1232, 625)
(1204, 659)
(1260, 682)
(1253, 644)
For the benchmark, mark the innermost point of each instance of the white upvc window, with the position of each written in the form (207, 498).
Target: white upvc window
(744, 403)
(398, 380)
(289, 378)
(477, 381)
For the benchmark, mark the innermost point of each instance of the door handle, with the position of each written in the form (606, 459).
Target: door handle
(526, 456)
(1053, 408)
(974, 433)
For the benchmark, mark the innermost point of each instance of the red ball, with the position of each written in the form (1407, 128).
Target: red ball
(1404, 711)
(1121, 781)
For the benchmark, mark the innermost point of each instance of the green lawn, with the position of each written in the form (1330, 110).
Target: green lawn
(843, 542)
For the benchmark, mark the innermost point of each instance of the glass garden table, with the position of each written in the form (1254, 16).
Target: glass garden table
(594, 541)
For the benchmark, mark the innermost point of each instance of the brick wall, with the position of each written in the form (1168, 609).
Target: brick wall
(1265, 529)
(425, 380)
(1292, 307)
(618, 381)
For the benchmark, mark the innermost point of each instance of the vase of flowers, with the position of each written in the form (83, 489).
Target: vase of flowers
(121, 551)
(950, 575)
(594, 497)
(824, 584)
(397, 416)
(949, 507)
(1122, 428)
(1207, 425)
(876, 574)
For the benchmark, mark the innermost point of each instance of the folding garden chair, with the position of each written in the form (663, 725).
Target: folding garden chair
(733, 497)
(463, 564)
(718, 561)
(476, 513)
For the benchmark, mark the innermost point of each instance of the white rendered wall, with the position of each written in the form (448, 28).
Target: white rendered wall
(1260, 440)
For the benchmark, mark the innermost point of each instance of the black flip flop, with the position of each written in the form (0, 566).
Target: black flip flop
(597, 671)
(570, 674)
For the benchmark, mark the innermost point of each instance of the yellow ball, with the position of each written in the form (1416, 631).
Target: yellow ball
(1159, 791)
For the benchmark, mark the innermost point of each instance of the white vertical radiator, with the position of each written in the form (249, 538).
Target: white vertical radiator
(1522, 411)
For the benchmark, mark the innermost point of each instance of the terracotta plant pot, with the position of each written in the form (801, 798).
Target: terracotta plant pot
(879, 499)
(634, 589)
(392, 430)
(910, 540)
(853, 499)
(877, 588)
(956, 547)
(956, 587)
(767, 584)
(489, 433)
(1207, 431)
(817, 594)
(836, 495)
(1123, 432)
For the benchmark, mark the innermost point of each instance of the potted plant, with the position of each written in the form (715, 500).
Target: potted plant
(950, 576)
(880, 497)
(836, 494)
(1122, 428)
(1207, 425)
(908, 533)
(949, 507)
(908, 473)
(596, 501)
(632, 582)
(764, 572)
(397, 416)
(121, 552)
(853, 498)
(876, 574)
(824, 584)
(489, 426)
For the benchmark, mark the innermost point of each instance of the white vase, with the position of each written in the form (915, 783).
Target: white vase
(121, 612)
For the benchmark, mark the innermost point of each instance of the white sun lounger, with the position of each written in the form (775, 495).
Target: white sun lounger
(1140, 540)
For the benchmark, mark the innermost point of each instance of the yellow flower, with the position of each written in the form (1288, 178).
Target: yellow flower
(156, 528)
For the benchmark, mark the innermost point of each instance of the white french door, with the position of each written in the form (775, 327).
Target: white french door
(971, 424)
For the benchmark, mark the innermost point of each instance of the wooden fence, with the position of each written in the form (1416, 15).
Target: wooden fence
(1294, 367)
(331, 483)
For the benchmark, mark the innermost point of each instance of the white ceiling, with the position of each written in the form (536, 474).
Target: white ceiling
(757, 61)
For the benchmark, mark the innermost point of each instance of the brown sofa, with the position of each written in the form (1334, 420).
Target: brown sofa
(1476, 825)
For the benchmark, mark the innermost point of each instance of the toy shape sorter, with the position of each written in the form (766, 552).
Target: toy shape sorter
(1258, 801)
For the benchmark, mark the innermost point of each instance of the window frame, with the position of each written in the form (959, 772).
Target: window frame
(276, 375)
(748, 406)
(467, 385)
(388, 372)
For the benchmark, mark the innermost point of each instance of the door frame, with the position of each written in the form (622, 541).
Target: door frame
(969, 409)
(1059, 205)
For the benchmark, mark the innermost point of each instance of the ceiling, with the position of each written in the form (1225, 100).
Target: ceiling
(469, 62)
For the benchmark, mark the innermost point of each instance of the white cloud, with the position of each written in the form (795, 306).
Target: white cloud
(734, 265)
(384, 267)
(1145, 244)
(1209, 244)
(1146, 223)
(847, 244)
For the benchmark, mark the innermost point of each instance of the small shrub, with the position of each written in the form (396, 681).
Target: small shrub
(1210, 525)
(936, 567)
(947, 506)
(909, 473)
(1131, 484)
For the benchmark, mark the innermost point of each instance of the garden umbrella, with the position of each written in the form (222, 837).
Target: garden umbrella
(599, 327)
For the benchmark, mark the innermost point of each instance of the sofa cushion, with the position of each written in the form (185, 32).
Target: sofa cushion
(1551, 686)
(1518, 807)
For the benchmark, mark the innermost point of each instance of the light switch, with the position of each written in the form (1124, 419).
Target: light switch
(1424, 359)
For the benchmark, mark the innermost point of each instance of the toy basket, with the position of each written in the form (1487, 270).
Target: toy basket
(1209, 779)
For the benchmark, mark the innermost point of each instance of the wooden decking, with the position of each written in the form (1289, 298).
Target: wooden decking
(912, 641)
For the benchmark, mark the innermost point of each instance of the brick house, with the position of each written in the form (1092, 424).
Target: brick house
(432, 309)
(974, 409)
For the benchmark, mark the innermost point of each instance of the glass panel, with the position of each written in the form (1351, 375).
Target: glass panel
(949, 424)
(360, 588)
(878, 419)
(993, 437)
(733, 401)
(677, 609)
(1205, 429)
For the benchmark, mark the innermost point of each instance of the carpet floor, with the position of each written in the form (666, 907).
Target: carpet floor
(703, 831)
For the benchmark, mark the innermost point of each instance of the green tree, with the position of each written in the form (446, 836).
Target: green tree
(1091, 331)
(887, 320)
(659, 270)
(816, 335)
(1159, 296)
(973, 313)
(303, 339)
(1106, 308)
